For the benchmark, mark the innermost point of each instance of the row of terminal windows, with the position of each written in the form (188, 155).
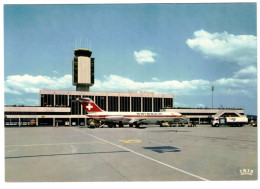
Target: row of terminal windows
(110, 103)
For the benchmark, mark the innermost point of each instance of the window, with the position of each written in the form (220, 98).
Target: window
(125, 104)
(136, 104)
(168, 102)
(75, 70)
(157, 104)
(42, 100)
(147, 104)
(101, 102)
(92, 70)
(75, 105)
(47, 100)
(113, 103)
(61, 100)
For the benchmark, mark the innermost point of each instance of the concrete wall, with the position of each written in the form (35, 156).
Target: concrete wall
(84, 70)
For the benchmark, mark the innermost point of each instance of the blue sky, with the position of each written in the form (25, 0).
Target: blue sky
(174, 49)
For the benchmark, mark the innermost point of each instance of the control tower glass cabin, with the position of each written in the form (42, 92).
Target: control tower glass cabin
(82, 69)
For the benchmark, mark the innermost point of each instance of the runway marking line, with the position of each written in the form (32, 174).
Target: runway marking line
(144, 156)
(24, 145)
(131, 141)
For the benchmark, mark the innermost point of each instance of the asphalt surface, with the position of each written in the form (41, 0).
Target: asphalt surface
(71, 154)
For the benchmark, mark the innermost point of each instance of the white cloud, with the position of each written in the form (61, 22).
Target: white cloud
(240, 49)
(245, 73)
(116, 83)
(18, 84)
(145, 56)
(228, 86)
(7, 90)
(238, 84)
(155, 79)
(232, 86)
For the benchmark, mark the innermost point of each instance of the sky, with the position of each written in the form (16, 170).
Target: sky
(178, 49)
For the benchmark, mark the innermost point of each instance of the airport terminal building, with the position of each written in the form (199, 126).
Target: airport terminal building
(60, 108)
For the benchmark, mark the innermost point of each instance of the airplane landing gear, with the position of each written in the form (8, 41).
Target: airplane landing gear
(121, 124)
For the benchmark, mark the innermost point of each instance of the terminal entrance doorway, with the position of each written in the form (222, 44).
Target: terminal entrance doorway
(45, 122)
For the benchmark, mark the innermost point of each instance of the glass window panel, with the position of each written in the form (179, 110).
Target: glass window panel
(113, 103)
(125, 104)
(168, 102)
(136, 104)
(147, 104)
(157, 104)
(101, 102)
(75, 105)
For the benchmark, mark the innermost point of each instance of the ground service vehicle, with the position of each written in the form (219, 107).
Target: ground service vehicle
(192, 124)
(230, 121)
(32, 122)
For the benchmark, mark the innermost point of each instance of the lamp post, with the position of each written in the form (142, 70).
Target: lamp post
(212, 89)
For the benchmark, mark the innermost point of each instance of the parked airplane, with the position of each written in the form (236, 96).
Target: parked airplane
(131, 118)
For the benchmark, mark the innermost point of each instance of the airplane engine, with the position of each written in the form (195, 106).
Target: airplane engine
(115, 118)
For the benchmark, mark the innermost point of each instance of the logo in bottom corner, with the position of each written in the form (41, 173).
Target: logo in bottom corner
(246, 172)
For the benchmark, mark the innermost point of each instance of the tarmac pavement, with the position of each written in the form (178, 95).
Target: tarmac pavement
(72, 154)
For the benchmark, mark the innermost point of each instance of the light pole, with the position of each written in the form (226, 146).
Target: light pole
(212, 89)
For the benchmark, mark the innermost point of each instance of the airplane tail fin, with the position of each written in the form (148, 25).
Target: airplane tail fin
(89, 105)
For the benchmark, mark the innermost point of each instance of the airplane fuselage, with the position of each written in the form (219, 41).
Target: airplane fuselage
(136, 118)
(132, 117)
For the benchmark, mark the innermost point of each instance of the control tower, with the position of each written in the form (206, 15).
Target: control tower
(82, 69)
